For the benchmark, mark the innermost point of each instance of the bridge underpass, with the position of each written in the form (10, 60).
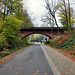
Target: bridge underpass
(51, 32)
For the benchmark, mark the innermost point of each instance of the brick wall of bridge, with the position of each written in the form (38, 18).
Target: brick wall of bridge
(47, 33)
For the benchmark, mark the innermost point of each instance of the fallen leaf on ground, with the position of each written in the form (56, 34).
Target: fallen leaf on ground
(10, 67)
(37, 70)
(66, 73)
(16, 72)
(35, 73)
(45, 73)
(42, 71)
(69, 73)
(71, 69)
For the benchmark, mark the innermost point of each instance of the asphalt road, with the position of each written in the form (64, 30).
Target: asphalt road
(31, 61)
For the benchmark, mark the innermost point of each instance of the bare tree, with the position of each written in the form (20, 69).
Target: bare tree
(51, 7)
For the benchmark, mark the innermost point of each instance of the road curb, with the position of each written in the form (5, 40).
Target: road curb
(53, 67)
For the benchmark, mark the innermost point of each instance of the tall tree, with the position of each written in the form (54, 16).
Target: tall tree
(19, 9)
(12, 17)
(11, 7)
(10, 32)
(27, 20)
(52, 10)
(3, 4)
(67, 19)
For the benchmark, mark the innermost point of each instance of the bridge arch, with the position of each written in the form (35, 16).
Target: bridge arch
(37, 33)
(25, 31)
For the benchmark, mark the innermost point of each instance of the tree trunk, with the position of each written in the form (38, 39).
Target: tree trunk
(52, 14)
(57, 26)
(66, 16)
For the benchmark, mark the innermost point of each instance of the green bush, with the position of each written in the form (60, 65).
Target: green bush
(47, 42)
(52, 42)
(73, 53)
(68, 43)
(4, 53)
(6, 50)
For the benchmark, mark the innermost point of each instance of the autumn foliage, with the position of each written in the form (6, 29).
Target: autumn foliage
(66, 42)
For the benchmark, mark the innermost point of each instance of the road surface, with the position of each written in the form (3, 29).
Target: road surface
(31, 61)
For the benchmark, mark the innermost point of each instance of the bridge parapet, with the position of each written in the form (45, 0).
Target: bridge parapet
(25, 31)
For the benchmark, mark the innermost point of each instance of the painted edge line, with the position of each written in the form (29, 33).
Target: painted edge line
(53, 67)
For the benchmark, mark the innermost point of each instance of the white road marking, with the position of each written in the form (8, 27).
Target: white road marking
(53, 67)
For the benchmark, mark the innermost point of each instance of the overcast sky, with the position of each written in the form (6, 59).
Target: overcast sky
(36, 10)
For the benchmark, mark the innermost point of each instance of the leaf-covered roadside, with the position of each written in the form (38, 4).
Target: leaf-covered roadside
(65, 44)
(12, 54)
(66, 53)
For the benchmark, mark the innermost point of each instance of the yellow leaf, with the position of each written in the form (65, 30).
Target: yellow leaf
(66, 73)
(69, 73)
(71, 69)
(35, 73)
(45, 73)
(16, 72)
(37, 70)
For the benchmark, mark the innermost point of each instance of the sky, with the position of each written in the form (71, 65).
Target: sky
(36, 10)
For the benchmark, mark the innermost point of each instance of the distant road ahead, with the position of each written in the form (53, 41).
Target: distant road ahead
(32, 61)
